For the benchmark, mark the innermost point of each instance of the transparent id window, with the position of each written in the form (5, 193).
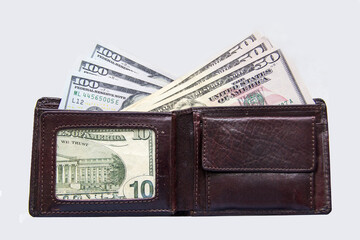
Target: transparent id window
(105, 164)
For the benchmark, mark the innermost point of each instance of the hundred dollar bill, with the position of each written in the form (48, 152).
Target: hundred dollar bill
(118, 61)
(93, 94)
(134, 82)
(101, 164)
(244, 78)
(213, 64)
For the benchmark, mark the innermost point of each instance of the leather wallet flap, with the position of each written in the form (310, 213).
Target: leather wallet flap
(101, 163)
(259, 144)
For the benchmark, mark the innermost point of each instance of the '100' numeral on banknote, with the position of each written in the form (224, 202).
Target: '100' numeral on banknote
(98, 95)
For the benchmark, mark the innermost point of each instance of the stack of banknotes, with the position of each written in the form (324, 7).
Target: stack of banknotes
(253, 72)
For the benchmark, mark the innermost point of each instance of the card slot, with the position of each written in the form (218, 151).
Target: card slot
(47, 201)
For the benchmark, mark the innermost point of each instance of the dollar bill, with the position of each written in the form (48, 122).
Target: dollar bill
(119, 61)
(101, 164)
(272, 83)
(238, 59)
(93, 94)
(203, 70)
(273, 62)
(227, 54)
(101, 71)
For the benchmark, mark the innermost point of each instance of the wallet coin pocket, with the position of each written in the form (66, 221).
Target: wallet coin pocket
(259, 162)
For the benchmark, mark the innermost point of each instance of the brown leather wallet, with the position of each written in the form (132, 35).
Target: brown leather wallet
(255, 160)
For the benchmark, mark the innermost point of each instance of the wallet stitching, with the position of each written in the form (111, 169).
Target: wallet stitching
(34, 162)
(208, 191)
(92, 202)
(222, 109)
(113, 211)
(205, 160)
(327, 182)
(326, 160)
(325, 150)
(35, 142)
(107, 114)
(42, 164)
(313, 163)
(311, 191)
(196, 162)
(255, 211)
(282, 108)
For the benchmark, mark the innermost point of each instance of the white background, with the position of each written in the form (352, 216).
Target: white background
(40, 41)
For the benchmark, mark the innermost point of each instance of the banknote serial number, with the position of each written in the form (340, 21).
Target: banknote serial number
(93, 96)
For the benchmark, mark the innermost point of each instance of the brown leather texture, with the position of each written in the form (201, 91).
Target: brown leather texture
(43, 178)
(281, 144)
(211, 161)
